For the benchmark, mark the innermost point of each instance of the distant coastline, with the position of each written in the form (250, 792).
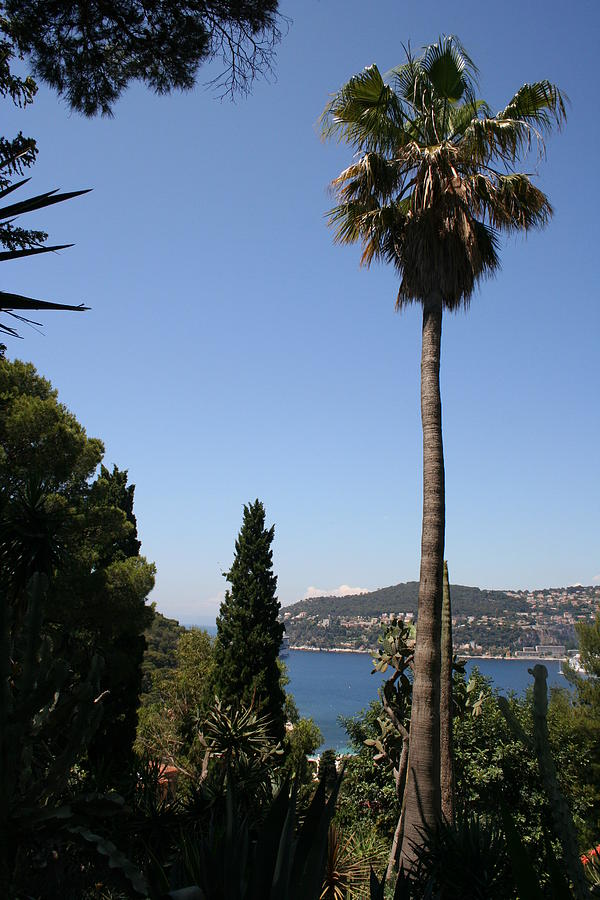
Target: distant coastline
(462, 655)
(487, 624)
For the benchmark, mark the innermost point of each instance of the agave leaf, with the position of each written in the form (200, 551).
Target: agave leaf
(314, 814)
(284, 867)
(377, 888)
(269, 842)
(402, 890)
(236, 847)
(13, 187)
(17, 301)
(311, 878)
(32, 251)
(38, 202)
(186, 893)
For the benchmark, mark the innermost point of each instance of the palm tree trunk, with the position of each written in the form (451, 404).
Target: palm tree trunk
(422, 803)
(446, 742)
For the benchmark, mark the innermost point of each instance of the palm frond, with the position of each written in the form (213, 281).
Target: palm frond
(529, 116)
(365, 112)
(450, 69)
(410, 83)
(445, 253)
(541, 104)
(372, 176)
(461, 115)
(487, 140)
(509, 202)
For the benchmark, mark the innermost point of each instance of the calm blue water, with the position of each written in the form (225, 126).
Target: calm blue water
(328, 685)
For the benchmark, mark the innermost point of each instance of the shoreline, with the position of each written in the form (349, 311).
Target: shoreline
(462, 655)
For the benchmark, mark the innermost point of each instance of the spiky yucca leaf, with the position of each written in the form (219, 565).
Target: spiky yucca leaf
(346, 871)
(21, 243)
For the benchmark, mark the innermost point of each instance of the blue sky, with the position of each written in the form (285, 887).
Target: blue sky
(234, 352)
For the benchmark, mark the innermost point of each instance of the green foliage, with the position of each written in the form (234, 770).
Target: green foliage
(91, 53)
(347, 868)
(368, 793)
(301, 740)
(249, 633)
(560, 814)
(589, 649)
(38, 434)
(279, 861)
(402, 598)
(492, 766)
(327, 767)
(238, 744)
(475, 859)
(162, 637)
(466, 860)
(96, 603)
(178, 701)
(582, 718)
(47, 716)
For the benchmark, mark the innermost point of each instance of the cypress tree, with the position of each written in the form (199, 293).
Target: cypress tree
(249, 632)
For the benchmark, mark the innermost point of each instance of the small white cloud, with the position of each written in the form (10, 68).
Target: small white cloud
(344, 590)
(215, 601)
(596, 579)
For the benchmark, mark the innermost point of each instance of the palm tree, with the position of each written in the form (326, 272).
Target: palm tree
(432, 185)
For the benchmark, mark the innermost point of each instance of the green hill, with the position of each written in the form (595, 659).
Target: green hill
(484, 621)
(402, 598)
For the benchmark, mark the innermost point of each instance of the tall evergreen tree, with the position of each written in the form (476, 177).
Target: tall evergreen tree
(249, 633)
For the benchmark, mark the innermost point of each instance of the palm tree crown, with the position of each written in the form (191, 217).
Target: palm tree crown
(434, 182)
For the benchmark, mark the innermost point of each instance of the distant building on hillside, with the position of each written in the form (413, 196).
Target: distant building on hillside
(543, 651)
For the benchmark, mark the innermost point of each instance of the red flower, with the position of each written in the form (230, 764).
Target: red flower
(589, 854)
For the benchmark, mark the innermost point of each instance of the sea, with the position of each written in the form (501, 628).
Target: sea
(328, 685)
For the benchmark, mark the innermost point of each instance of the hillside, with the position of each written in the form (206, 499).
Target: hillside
(402, 598)
(486, 621)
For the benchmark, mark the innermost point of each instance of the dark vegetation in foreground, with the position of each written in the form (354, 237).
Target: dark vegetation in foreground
(205, 791)
(200, 792)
